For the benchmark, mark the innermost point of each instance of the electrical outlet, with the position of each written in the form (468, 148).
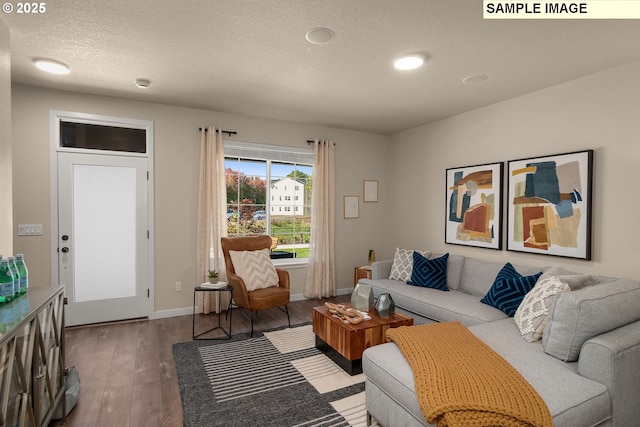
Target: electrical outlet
(178, 286)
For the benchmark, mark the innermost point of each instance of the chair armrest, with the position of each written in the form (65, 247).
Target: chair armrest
(240, 293)
(612, 359)
(381, 269)
(283, 278)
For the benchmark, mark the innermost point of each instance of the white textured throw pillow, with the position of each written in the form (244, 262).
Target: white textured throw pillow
(403, 264)
(531, 315)
(255, 268)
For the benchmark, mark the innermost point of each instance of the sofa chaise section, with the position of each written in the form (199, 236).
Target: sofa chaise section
(573, 400)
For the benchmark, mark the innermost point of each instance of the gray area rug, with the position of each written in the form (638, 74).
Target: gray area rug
(277, 378)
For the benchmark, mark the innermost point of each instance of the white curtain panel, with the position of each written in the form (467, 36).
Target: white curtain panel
(212, 218)
(321, 274)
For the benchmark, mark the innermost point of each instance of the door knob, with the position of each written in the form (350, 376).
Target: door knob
(65, 249)
(65, 237)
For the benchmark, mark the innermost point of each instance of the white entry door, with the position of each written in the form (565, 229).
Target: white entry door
(103, 236)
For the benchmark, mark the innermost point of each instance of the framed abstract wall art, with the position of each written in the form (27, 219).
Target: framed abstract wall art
(474, 205)
(549, 205)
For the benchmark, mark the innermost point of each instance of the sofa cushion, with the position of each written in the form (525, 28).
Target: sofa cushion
(403, 264)
(574, 280)
(509, 289)
(429, 273)
(478, 276)
(572, 399)
(435, 304)
(531, 315)
(455, 264)
(577, 316)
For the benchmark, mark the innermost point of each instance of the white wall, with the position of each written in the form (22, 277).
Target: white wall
(6, 205)
(358, 156)
(600, 112)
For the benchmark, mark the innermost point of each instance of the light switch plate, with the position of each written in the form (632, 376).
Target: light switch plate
(29, 229)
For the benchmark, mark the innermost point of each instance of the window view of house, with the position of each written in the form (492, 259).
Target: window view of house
(273, 198)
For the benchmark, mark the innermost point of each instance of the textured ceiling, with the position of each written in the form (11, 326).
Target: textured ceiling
(250, 57)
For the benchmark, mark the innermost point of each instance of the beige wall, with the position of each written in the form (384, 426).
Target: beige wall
(359, 156)
(599, 112)
(6, 213)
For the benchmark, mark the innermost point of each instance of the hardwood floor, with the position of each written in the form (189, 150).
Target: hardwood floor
(127, 372)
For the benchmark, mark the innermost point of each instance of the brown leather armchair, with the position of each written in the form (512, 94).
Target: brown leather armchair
(259, 299)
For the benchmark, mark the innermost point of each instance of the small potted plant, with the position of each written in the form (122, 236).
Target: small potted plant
(213, 276)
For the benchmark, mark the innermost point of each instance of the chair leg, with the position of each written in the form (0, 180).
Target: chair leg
(251, 314)
(286, 310)
(254, 313)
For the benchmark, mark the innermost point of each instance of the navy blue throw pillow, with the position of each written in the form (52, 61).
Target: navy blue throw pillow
(508, 289)
(429, 273)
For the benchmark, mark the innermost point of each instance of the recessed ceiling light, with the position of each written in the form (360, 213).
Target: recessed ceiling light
(409, 62)
(143, 83)
(51, 66)
(475, 79)
(319, 35)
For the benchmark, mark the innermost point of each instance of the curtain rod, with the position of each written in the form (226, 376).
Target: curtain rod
(228, 132)
(309, 141)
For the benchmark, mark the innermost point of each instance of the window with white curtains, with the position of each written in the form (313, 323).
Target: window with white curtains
(269, 192)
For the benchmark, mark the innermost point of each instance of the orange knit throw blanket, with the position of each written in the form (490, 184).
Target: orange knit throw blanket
(460, 381)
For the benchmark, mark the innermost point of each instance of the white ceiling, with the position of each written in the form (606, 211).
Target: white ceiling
(250, 57)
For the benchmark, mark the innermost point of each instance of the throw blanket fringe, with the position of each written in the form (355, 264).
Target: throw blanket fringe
(460, 381)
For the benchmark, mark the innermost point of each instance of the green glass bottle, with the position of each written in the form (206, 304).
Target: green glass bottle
(24, 273)
(6, 281)
(16, 276)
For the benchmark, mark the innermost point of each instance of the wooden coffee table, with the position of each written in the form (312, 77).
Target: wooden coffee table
(344, 343)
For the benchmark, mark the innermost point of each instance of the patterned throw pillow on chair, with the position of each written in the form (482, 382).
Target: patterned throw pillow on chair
(255, 268)
(429, 273)
(508, 289)
(403, 264)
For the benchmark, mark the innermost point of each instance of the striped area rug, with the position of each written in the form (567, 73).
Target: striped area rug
(278, 379)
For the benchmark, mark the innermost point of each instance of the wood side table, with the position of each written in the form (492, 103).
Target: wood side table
(344, 343)
(363, 272)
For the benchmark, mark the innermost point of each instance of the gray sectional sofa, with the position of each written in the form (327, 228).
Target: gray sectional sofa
(586, 367)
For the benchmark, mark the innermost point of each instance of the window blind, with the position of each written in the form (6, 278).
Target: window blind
(281, 153)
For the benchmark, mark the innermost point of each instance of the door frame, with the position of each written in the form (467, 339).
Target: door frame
(55, 117)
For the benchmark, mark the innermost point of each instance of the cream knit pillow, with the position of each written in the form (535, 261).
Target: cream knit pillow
(531, 315)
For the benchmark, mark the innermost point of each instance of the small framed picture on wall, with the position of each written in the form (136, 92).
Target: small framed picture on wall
(370, 191)
(351, 207)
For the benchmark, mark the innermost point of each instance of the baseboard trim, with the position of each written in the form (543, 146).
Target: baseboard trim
(187, 311)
